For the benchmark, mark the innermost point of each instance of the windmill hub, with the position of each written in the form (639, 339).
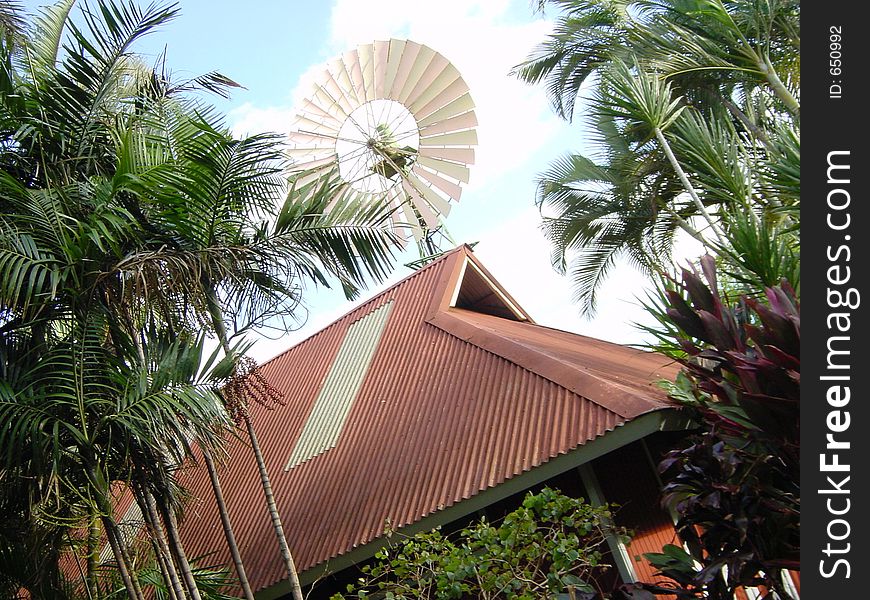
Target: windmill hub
(377, 142)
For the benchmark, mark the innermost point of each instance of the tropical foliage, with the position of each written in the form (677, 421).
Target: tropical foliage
(735, 485)
(132, 224)
(550, 544)
(693, 108)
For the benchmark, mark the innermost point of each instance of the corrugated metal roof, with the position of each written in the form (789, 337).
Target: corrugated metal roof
(452, 403)
(340, 387)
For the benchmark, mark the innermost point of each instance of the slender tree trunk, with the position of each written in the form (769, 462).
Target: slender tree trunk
(751, 127)
(687, 185)
(162, 551)
(273, 511)
(121, 558)
(116, 542)
(685, 226)
(160, 558)
(762, 61)
(778, 86)
(177, 549)
(93, 550)
(220, 329)
(55, 577)
(225, 522)
(137, 587)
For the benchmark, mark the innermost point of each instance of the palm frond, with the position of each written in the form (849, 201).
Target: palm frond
(48, 27)
(583, 40)
(332, 229)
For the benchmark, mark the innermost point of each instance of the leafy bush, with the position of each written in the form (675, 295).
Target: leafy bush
(550, 544)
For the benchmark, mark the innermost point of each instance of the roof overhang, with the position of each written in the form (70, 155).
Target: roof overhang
(636, 429)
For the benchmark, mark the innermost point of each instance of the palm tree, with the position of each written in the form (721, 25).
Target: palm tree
(130, 218)
(696, 113)
(233, 262)
(62, 226)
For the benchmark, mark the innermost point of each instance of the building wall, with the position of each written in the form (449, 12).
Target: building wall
(627, 478)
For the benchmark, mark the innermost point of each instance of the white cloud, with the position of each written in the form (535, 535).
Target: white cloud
(248, 119)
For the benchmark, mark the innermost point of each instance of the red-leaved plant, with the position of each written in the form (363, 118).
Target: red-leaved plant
(735, 486)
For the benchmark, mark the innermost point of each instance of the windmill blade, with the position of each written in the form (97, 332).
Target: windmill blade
(325, 161)
(324, 99)
(460, 155)
(311, 153)
(454, 170)
(392, 122)
(410, 53)
(394, 59)
(354, 71)
(463, 121)
(339, 74)
(452, 190)
(458, 106)
(313, 110)
(307, 125)
(423, 197)
(367, 66)
(421, 63)
(311, 137)
(456, 89)
(430, 76)
(417, 199)
(456, 138)
(301, 178)
(443, 82)
(381, 52)
(336, 91)
(411, 220)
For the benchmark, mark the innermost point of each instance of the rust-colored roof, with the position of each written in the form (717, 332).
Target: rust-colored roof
(454, 401)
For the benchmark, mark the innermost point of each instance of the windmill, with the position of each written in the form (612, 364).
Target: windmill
(389, 121)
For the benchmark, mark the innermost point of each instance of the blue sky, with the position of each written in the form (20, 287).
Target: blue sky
(273, 48)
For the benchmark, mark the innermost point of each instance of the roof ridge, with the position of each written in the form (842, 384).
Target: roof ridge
(591, 338)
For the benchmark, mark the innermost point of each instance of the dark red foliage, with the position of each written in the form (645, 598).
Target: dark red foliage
(736, 485)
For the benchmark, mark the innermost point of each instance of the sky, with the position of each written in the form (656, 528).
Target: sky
(274, 49)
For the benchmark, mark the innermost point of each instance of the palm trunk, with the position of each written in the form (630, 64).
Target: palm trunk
(762, 62)
(225, 522)
(687, 185)
(93, 550)
(273, 511)
(131, 586)
(55, 577)
(113, 535)
(220, 329)
(778, 86)
(751, 127)
(177, 549)
(160, 558)
(164, 556)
